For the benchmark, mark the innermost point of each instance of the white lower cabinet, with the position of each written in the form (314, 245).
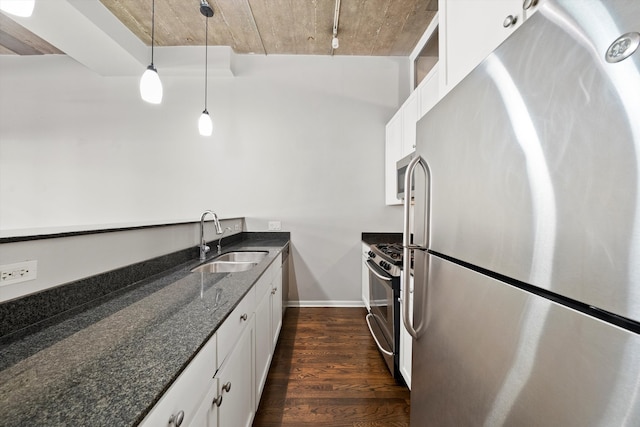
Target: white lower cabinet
(222, 385)
(184, 399)
(236, 381)
(364, 276)
(207, 414)
(263, 342)
(276, 308)
(268, 322)
(406, 343)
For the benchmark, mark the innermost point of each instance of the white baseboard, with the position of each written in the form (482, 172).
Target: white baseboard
(357, 303)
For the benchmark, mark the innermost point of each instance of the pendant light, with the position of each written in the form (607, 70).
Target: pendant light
(205, 125)
(150, 84)
(335, 43)
(23, 8)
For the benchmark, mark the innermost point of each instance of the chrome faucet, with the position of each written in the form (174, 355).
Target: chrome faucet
(203, 244)
(220, 239)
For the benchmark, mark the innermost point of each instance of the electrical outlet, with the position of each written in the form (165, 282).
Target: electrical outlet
(275, 226)
(18, 272)
(237, 227)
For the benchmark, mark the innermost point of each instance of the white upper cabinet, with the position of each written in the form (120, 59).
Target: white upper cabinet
(461, 35)
(410, 111)
(428, 91)
(392, 153)
(471, 29)
(400, 141)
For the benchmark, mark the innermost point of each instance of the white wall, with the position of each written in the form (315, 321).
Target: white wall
(296, 139)
(67, 259)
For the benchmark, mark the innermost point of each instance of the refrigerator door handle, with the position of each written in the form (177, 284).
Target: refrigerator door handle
(417, 330)
(416, 247)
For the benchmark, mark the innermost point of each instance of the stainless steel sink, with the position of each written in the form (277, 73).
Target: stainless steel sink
(224, 267)
(243, 256)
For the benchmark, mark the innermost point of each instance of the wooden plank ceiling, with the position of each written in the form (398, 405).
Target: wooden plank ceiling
(16, 40)
(284, 27)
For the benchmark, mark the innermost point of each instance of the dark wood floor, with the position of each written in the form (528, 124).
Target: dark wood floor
(327, 371)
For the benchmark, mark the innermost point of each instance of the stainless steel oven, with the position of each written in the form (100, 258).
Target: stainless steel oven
(384, 316)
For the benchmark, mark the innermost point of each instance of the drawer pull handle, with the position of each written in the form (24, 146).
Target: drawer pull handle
(244, 316)
(217, 401)
(176, 419)
(510, 21)
(227, 387)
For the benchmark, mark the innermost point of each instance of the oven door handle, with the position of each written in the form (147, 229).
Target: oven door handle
(378, 275)
(388, 353)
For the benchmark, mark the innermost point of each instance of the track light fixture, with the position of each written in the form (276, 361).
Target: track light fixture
(335, 43)
(205, 125)
(150, 84)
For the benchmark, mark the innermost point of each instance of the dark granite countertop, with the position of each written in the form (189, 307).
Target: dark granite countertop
(110, 364)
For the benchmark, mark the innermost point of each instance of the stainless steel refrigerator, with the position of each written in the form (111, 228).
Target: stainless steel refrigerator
(526, 230)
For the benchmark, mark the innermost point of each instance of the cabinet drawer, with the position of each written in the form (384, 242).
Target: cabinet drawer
(186, 392)
(233, 326)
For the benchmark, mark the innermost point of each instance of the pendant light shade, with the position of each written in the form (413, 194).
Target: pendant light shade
(205, 125)
(150, 84)
(23, 8)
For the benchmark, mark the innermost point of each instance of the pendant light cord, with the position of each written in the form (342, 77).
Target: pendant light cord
(206, 59)
(153, 25)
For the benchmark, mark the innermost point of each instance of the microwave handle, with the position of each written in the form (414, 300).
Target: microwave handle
(407, 247)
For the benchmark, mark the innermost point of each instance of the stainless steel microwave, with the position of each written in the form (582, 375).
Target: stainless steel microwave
(401, 172)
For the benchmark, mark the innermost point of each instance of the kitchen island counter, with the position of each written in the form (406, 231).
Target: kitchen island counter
(110, 363)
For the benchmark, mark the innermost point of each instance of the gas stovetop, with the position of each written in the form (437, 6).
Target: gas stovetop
(388, 256)
(391, 252)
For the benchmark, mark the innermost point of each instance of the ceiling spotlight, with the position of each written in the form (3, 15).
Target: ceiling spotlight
(23, 8)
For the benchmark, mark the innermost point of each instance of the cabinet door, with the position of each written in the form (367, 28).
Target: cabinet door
(207, 414)
(530, 7)
(410, 111)
(263, 342)
(276, 309)
(470, 31)
(237, 382)
(233, 326)
(185, 394)
(392, 153)
(406, 343)
(429, 91)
